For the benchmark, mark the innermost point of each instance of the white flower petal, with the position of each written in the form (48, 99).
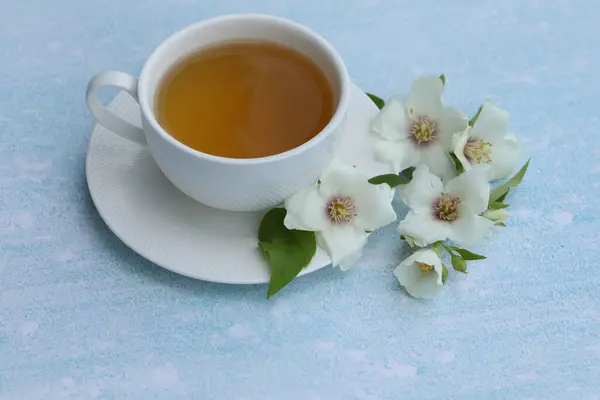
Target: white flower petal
(505, 155)
(342, 242)
(438, 160)
(469, 228)
(335, 164)
(341, 180)
(451, 121)
(374, 207)
(492, 122)
(350, 260)
(422, 189)
(417, 283)
(459, 141)
(425, 98)
(391, 122)
(423, 228)
(306, 210)
(399, 154)
(426, 287)
(408, 272)
(472, 188)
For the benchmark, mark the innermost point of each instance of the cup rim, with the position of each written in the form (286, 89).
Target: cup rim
(336, 119)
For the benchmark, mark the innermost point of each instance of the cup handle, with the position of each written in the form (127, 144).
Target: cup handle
(106, 118)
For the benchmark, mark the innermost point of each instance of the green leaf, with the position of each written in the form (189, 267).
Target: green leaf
(408, 173)
(501, 191)
(476, 116)
(467, 255)
(444, 274)
(393, 180)
(497, 205)
(502, 197)
(518, 177)
(379, 102)
(501, 224)
(443, 79)
(457, 165)
(287, 251)
(272, 225)
(459, 264)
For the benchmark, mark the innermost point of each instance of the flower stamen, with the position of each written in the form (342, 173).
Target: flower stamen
(423, 130)
(478, 151)
(445, 207)
(426, 268)
(341, 209)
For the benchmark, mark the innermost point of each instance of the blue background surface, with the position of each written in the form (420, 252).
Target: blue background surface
(82, 316)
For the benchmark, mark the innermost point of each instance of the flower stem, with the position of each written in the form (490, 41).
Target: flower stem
(445, 246)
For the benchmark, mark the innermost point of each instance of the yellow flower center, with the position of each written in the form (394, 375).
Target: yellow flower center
(424, 130)
(478, 151)
(445, 207)
(341, 209)
(426, 268)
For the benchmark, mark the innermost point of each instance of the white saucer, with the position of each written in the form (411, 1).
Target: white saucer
(173, 231)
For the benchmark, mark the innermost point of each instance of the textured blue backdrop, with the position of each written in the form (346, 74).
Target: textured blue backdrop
(82, 316)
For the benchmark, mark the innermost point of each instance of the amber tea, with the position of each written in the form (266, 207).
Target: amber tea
(245, 99)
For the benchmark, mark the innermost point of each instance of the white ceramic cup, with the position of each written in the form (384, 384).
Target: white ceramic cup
(228, 183)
